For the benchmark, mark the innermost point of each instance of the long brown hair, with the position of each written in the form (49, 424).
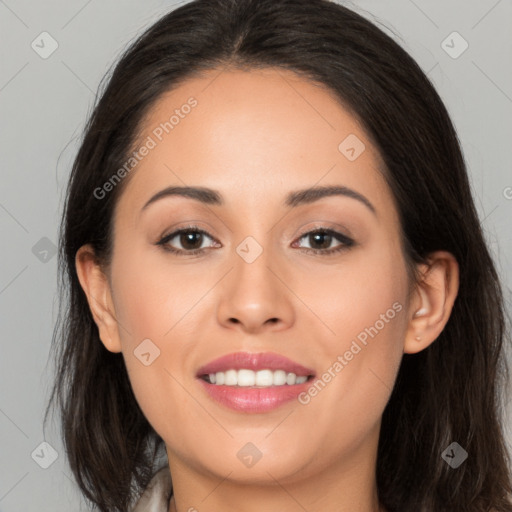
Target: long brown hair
(450, 392)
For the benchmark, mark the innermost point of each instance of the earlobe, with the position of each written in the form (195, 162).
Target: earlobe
(436, 294)
(96, 287)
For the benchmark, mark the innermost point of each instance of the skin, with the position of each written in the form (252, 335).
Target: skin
(255, 136)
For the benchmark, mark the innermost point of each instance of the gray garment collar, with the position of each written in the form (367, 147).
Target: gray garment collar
(156, 496)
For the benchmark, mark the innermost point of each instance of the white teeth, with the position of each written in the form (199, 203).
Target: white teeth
(246, 378)
(264, 378)
(291, 378)
(261, 378)
(230, 378)
(280, 377)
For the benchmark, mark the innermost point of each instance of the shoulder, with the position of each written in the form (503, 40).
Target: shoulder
(156, 495)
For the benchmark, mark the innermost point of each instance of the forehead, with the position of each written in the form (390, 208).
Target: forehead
(254, 135)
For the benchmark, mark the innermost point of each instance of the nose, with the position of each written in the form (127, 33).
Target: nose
(256, 296)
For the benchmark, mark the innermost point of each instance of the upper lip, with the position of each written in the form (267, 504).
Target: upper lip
(255, 362)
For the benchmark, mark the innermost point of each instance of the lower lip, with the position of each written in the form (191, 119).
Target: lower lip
(254, 400)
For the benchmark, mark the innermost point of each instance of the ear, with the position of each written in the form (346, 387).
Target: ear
(433, 302)
(97, 289)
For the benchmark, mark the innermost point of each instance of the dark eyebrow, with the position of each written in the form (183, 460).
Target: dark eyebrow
(312, 194)
(294, 199)
(202, 194)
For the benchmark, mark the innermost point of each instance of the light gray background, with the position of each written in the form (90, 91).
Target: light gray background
(43, 107)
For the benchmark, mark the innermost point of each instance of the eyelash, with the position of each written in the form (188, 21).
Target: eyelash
(346, 242)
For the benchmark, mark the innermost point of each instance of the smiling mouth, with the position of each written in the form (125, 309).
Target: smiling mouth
(264, 378)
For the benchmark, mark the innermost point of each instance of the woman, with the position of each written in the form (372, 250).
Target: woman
(279, 291)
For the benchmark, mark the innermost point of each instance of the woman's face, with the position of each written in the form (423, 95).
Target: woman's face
(256, 138)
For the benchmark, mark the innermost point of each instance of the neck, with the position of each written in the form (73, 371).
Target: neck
(172, 508)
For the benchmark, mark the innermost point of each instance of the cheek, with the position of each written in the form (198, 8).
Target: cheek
(154, 297)
(155, 307)
(362, 298)
(365, 307)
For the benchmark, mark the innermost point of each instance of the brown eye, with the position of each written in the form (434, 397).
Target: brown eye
(190, 239)
(320, 241)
